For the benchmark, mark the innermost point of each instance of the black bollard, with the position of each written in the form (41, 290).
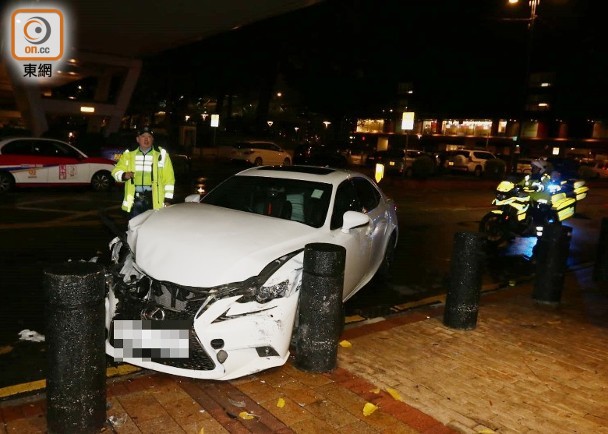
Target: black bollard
(462, 300)
(320, 318)
(551, 260)
(600, 269)
(75, 335)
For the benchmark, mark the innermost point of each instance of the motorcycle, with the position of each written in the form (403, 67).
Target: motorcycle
(519, 212)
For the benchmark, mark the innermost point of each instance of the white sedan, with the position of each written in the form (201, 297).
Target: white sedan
(210, 288)
(41, 162)
(259, 153)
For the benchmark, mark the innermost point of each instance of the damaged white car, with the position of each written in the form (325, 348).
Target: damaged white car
(209, 288)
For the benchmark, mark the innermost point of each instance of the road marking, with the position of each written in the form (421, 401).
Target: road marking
(32, 386)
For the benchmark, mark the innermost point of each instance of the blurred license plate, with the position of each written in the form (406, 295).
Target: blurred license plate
(151, 340)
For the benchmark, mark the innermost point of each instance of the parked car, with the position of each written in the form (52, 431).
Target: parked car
(319, 156)
(41, 162)
(258, 153)
(396, 161)
(599, 169)
(229, 267)
(468, 160)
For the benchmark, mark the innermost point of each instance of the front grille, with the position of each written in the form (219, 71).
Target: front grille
(177, 303)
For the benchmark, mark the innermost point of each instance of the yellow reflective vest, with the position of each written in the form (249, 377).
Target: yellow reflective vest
(162, 177)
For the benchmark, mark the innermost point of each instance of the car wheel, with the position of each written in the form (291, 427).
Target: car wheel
(286, 162)
(478, 171)
(408, 172)
(258, 161)
(7, 182)
(102, 181)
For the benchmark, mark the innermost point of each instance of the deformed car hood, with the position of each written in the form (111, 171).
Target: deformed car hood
(203, 245)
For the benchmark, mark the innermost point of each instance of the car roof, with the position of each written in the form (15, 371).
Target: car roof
(10, 139)
(305, 173)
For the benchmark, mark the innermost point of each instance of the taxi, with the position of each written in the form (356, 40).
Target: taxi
(42, 162)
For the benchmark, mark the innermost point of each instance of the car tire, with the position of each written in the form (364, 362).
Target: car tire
(7, 182)
(258, 161)
(478, 171)
(102, 181)
(286, 162)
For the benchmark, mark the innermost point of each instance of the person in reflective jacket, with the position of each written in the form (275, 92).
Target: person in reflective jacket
(536, 183)
(147, 172)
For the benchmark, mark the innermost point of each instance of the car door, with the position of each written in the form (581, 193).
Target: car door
(62, 162)
(27, 165)
(357, 242)
(370, 199)
(275, 153)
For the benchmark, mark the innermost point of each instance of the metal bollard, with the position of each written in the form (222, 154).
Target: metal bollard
(551, 259)
(75, 335)
(462, 300)
(320, 311)
(600, 269)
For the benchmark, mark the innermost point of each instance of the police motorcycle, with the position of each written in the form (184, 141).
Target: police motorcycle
(525, 208)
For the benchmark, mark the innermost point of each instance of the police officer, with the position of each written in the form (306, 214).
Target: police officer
(147, 172)
(537, 182)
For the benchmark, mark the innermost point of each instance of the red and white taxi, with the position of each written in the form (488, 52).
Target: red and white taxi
(40, 162)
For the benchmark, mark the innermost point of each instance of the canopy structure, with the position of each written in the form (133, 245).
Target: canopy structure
(107, 41)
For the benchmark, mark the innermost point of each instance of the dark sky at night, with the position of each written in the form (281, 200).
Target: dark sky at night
(465, 58)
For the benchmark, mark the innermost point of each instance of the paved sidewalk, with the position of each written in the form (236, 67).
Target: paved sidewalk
(526, 368)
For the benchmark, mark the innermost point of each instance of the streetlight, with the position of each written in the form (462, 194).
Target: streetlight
(531, 21)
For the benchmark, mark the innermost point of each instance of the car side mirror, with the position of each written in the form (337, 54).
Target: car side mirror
(354, 219)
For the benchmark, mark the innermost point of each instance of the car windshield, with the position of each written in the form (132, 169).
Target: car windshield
(291, 199)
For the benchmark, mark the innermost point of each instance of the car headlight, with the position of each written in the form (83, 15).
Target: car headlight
(274, 281)
(279, 278)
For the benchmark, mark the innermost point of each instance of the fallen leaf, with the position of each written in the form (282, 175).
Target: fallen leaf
(369, 408)
(240, 404)
(486, 431)
(376, 391)
(394, 393)
(246, 416)
(202, 431)
(345, 344)
(281, 403)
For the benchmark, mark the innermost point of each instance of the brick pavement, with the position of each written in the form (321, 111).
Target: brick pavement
(526, 368)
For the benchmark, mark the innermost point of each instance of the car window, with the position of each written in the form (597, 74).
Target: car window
(20, 147)
(292, 199)
(346, 200)
(395, 153)
(48, 149)
(483, 155)
(369, 197)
